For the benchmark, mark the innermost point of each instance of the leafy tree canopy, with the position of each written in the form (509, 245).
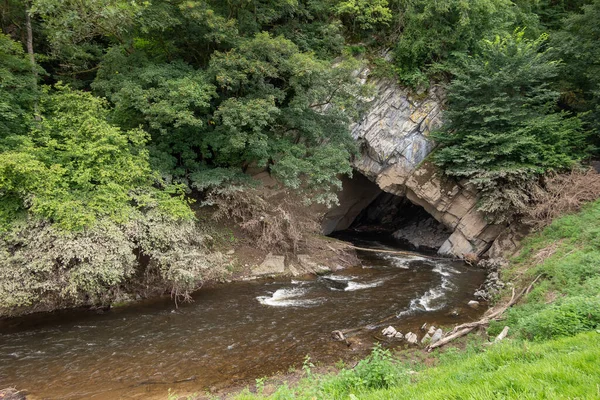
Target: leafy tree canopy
(75, 167)
(502, 130)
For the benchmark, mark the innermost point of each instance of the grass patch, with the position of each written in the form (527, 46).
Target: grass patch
(564, 368)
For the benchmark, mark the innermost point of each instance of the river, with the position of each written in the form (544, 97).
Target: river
(232, 333)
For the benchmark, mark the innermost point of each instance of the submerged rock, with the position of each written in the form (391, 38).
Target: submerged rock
(473, 304)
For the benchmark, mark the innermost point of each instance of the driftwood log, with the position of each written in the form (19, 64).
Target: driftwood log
(491, 315)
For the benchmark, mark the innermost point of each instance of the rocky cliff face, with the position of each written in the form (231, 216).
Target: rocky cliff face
(394, 144)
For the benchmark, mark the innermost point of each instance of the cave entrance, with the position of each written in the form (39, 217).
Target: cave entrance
(366, 210)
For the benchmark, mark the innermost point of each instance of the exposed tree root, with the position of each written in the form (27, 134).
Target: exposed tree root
(491, 315)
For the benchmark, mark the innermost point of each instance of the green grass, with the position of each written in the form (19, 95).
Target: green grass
(553, 350)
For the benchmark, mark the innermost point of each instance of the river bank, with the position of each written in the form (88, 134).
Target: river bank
(235, 333)
(551, 350)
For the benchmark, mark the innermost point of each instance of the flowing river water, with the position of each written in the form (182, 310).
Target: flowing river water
(231, 334)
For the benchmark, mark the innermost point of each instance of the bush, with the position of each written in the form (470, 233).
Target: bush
(377, 371)
(44, 268)
(501, 131)
(562, 194)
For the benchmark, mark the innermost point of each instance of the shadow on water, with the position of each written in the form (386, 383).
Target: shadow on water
(230, 334)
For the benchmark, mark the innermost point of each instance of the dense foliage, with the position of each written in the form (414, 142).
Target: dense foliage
(502, 127)
(115, 111)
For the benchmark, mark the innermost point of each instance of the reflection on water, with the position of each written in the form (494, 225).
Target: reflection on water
(231, 334)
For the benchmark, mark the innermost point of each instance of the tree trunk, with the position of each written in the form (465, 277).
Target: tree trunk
(36, 110)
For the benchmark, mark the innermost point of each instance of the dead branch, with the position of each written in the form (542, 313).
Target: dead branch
(491, 315)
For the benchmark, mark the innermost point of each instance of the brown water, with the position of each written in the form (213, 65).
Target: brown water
(230, 334)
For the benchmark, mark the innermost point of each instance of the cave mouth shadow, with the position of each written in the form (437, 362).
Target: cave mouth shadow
(367, 212)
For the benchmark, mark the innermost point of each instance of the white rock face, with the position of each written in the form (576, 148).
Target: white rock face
(411, 338)
(437, 336)
(390, 331)
(393, 140)
(272, 265)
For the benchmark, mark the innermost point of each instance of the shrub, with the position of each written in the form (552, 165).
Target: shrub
(44, 267)
(562, 194)
(377, 371)
(501, 132)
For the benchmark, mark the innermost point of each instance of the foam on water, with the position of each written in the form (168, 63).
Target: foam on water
(288, 298)
(433, 299)
(339, 278)
(352, 286)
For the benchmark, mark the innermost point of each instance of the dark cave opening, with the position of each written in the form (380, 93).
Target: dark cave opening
(365, 209)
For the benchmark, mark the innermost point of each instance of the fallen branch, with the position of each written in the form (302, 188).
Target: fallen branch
(492, 315)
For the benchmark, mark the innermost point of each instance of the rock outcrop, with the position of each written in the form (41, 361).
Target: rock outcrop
(394, 144)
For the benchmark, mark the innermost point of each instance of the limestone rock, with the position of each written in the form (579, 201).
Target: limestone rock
(390, 331)
(394, 140)
(399, 335)
(473, 304)
(411, 338)
(293, 270)
(438, 334)
(272, 265)
(424, 233)
(431, 330)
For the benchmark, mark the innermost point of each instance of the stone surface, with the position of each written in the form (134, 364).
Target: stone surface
(394, 143)
(270, 266)
(473, 304)
(425, 233)
(390, 331)
(437, 335)
(357, 193)
(431, 330)
(411, 338)
(426, 339)
(293, 271)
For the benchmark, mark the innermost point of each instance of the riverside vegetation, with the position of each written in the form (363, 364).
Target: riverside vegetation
(551, 353)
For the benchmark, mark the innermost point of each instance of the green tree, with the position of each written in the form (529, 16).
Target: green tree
(74, 168)
(434, 30)
(18, 89)
(502, 130)
(282, 107)
(364, 14)
(579, 46)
